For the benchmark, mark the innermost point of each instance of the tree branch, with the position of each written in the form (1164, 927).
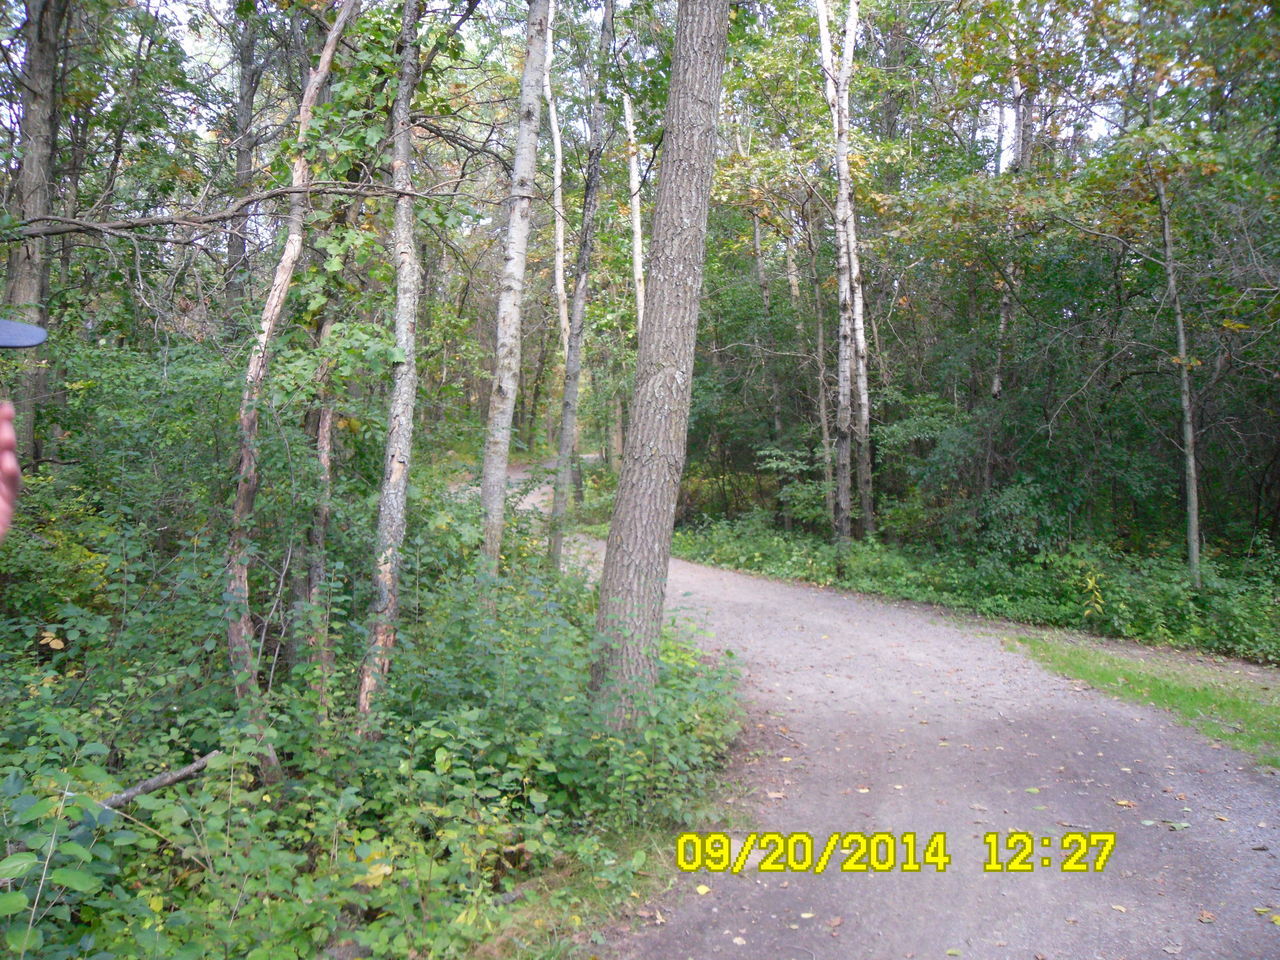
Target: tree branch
(159, 781)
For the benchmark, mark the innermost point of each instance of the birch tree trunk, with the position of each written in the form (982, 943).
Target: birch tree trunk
(1190, 471)
(240, 652)
(633, 581)
(506, 369)
(557, 187)
(404, 379)
(836, 89)
(633, 203)
(32, 198)
(582, 276)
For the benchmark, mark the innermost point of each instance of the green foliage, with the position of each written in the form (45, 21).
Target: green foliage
(1086, 587)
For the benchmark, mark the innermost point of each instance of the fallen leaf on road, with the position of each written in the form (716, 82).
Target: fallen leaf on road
(1125, 803)
(806, 916)
(739, 941)
(1033, 789)
(1116, 906)
(786, 759)
(835, 922)
(702, 889)
(1222, 818)
(1179, 826)
(953, 952)
(1206, 917)
(775, 795)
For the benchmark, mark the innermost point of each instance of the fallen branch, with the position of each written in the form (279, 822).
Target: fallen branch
(160, 781)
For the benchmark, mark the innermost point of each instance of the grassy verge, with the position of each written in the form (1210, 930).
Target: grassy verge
(1238, 705)
(1085, 587)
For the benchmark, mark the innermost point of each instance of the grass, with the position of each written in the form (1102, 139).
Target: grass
(1239, 706)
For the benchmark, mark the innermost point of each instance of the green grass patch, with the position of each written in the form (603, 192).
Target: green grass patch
(1234, 707)
(1085, 587)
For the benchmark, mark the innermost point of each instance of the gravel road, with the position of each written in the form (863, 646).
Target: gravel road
(871, 716)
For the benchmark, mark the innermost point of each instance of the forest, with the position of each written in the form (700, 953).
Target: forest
(971, 302)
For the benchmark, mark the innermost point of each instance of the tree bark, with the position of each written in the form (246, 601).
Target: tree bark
(239, 627)
(1184, 386)
(557, 187)
(836, 88)
(581, 284)
(404, 379)
(633, 204)
(25, 292)
(249, 73)
(633, 581)
(502, 395)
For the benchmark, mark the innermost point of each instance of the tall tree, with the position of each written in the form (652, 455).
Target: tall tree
(506, 365)
(244, 667)
(404, 376)
(37, 135)
(581, 287)
(633, 208)
(853, 405)
(632, 584)
(249, 69)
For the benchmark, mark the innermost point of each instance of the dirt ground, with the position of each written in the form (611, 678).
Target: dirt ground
(871, 717)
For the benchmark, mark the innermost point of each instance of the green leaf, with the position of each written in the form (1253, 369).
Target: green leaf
(73, 849)
(36, 810)
(16, 865)
(77, 880)
(12, 902)
(22, 939)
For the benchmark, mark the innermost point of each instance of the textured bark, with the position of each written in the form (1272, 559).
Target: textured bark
(581, 284)
(25, 291)
(404, 387)
(853, 406)
(506, 368)
(1184, 386)
(633, 203)
(633, 581)
(557, 187)
(244, 667)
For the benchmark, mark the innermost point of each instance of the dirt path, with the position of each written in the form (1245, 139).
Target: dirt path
(872, 716)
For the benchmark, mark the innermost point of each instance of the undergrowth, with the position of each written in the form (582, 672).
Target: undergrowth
(1237, 612)
(494, 760)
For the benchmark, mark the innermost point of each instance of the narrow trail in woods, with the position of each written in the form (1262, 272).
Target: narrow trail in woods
(873, 716)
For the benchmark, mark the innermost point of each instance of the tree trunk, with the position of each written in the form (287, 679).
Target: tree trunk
(32, 198)
(1184, 387)
(633, 204)
(249, 73)
(239, 628)
(635, 566)
(820, 355)
(404, 379)
(836, 88)
(502, 395)
(582, 276)
(557, 187)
